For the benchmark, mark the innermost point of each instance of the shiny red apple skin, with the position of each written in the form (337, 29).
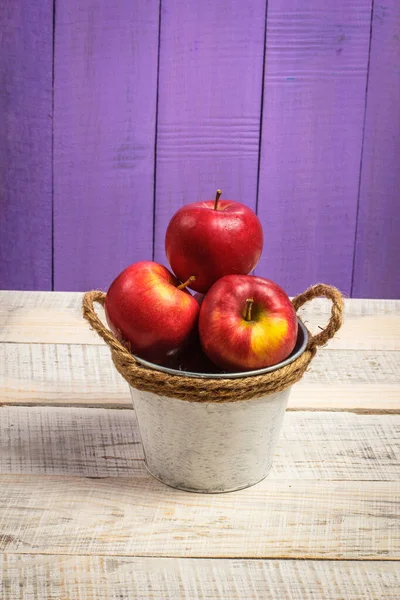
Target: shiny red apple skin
(212, 243)
(235, 344)
(145, 309)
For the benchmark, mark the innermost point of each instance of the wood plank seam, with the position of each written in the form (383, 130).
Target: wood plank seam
(261, 107)
(362, 152)
(184, 557)
(156, 131)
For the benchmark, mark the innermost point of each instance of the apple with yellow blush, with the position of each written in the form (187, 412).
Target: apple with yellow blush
(247, 323)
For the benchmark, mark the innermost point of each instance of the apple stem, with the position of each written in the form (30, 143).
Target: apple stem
(249, 306)
(186, 283)
(217, 197)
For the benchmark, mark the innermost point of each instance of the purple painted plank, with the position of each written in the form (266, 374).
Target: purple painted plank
(209, 104)
(105, 100)
(26, 41)
(377, 273)
(315, 80)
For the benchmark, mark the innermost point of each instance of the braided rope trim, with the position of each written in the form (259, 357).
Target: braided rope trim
(196, 389)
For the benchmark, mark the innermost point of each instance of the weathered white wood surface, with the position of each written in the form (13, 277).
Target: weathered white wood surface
(110, 578)
(74, 490)
(74, 374)
(61, 374)
(106, 443)
(139, 516)
(55, 317)
(44, 317)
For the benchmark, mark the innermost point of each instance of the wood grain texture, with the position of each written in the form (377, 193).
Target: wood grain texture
(73, 375)
(106, 443)
(368, 324)
(45, 317)
(211, 59)
(61, 374)
(376, 272)
(105, 103)
(56, 318)
(314, 93)
(141, 516)
(114, 578)
(26, 63)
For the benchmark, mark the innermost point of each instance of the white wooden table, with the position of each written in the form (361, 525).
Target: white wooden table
(81, 519)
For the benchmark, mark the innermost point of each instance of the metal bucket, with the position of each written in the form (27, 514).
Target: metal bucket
(211, 447)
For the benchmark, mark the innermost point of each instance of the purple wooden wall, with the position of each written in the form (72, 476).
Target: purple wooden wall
(26, 41)
(377, 250)
(209, 102)
(115, 114)
(315, 82)
(104, 130)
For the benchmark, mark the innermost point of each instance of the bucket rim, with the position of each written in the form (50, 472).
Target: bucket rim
(300, 347)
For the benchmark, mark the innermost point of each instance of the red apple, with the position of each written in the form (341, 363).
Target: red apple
(211, 239)
(247, 323)
(150, 311)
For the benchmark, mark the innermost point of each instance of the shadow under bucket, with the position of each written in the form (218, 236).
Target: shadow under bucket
(211, 447)
(213, 433)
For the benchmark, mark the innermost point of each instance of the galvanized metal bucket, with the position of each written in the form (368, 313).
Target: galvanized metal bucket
(215, 444)
(211, 447)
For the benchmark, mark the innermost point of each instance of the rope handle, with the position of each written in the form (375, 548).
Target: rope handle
(315, 291)
(336, 318)
(96, 323)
